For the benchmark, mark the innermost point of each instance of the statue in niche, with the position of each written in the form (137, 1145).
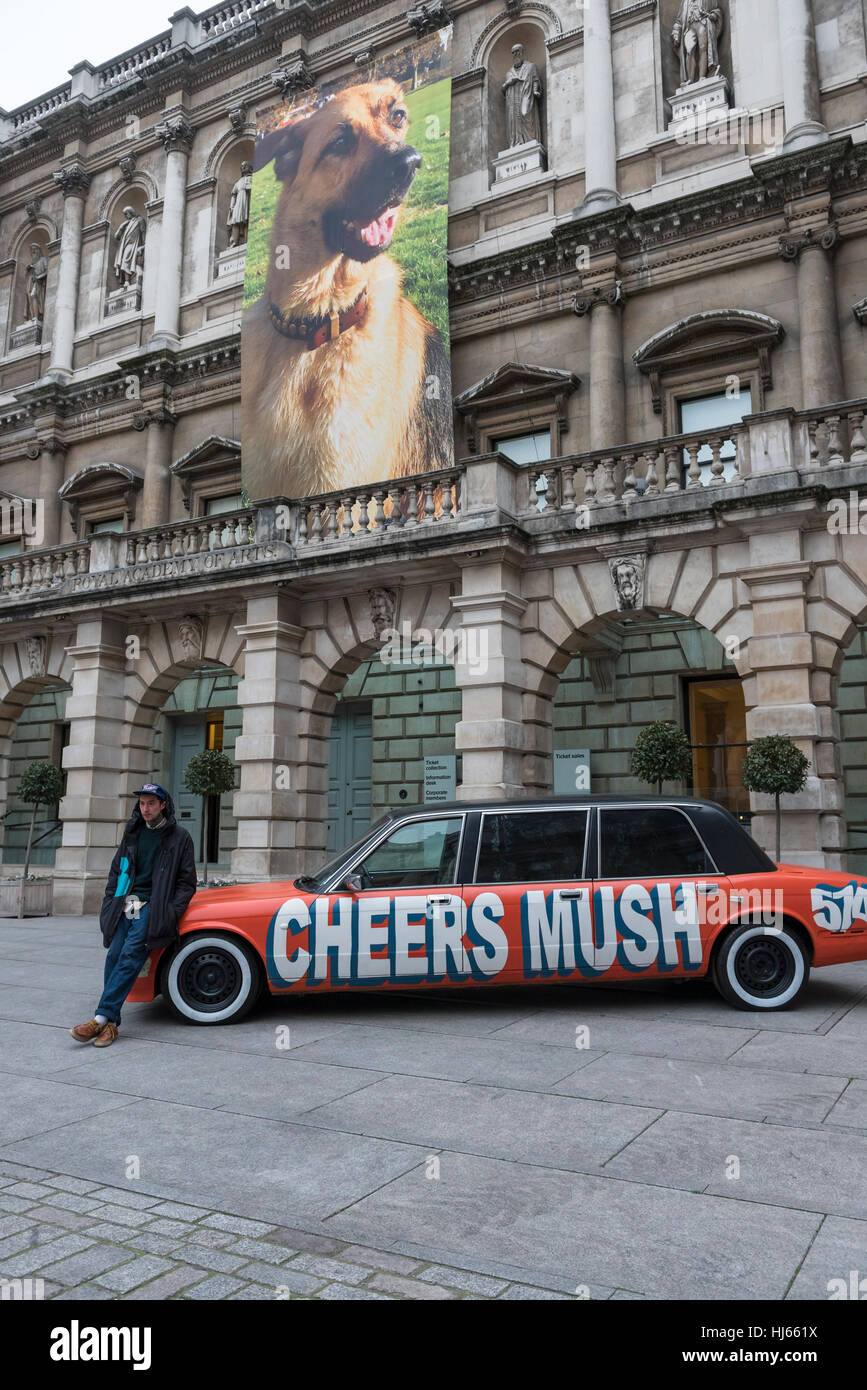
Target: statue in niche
(523, 91)
(239, 206)
(695, 37)
(129, 257)
(37, 276)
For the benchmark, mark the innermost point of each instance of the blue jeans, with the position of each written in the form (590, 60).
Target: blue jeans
(126, 956)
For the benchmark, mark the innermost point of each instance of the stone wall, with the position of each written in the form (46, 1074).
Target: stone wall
(33, 741)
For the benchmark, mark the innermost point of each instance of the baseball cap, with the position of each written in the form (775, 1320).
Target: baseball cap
(153, 789)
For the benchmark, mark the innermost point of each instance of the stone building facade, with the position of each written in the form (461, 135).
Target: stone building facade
(660, 384)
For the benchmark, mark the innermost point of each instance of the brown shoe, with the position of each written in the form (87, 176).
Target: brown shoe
(107, 1036)
(86, 1032)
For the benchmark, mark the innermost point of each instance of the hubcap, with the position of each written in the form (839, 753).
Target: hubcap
(209, 980)
(763, 966)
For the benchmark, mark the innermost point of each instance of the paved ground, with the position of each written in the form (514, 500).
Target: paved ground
(430, 1146)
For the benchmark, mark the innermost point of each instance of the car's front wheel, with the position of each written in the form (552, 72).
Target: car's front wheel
(211, 978)
(761, 968)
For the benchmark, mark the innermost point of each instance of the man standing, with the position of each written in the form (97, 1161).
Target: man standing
(151, 882)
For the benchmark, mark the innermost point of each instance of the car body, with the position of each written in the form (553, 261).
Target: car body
(571, 889)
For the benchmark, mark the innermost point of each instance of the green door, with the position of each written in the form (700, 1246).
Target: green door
(188, 740)
(349, 772)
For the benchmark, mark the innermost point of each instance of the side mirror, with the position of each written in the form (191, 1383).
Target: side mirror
(352, 883)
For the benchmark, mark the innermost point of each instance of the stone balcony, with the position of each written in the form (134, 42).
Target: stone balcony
(768, 463)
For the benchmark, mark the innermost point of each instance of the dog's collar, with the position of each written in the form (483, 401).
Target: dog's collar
(316, 330)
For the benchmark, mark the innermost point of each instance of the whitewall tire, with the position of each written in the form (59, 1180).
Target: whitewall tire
(761, 968)
(212, 977)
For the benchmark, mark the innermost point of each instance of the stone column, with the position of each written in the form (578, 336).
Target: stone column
(92, 811)
(52, 456)
(821, 355)
(156, 492)
(801, 99)
(600, 148)
(267, 805)
(607, 399)
(176, 134)
(789, 691)
(74, 183)
(489, 673)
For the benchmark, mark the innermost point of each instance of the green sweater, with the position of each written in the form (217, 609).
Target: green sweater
(149, 842)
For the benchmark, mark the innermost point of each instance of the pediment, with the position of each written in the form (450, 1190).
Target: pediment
(97, 478)
(713, 333)
(515, 381)
(216, 449)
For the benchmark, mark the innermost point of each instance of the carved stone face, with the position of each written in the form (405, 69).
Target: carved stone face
(518, 54)
(246, 167)
(627, 581)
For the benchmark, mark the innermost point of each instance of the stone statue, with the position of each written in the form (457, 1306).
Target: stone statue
(627, 576)
(37, 275)
(523, 89)
(129, 257)
(239, 206)
(695, 35)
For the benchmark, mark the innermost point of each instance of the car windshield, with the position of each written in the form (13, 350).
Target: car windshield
(313, 882)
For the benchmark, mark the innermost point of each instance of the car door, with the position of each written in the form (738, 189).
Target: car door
(404, 925)
(657, 897)
(529, 900)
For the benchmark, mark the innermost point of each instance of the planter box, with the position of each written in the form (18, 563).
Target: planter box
(37, 897)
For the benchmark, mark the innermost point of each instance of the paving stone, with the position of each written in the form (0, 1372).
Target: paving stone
(28, 1189)
(14, 1204)
(35, 1258)
(210, 1239)
(74, 1185)
(108, 1230)
(209, 1259)
(88, 1265)
(130, 1276)
(73, 1201)
(82, 1292)
(341, 1292)
(120, 1197)
(839, 1250)
(152, 1245)
(330, 1269)
(219, 1287)
(274, 1275)
(258, 1292)
(239, 1224)
(70, 1220)
(408, 1288)
(10, 1224)
(164, 1227)
(261, 1250)
(303, 1240)
(528, 1292)
(22, 1240)
(124, 1216)
(181, 1277)
(462, 1279)
(180, 1211)
(381, 1259)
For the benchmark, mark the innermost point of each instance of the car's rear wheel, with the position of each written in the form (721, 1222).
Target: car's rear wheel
(761, 968)
(212, 978)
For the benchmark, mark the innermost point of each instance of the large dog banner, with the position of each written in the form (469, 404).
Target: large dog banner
(345, 367)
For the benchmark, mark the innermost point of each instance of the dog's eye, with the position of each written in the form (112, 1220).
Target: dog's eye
(398, 118)
(343, 142)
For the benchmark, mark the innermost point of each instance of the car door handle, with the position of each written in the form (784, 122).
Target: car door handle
(707, 887)
(440, 902)
(572, 892)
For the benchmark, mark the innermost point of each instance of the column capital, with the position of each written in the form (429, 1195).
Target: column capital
(176, 133)
(428, 16)
(818, 238)
(160, 415)
(47, 444)
(585, 301)
(73, 180)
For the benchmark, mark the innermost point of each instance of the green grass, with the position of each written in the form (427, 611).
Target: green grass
(420, 241)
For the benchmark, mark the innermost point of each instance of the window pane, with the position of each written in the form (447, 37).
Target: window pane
(532, 847)
(231, 502)
(526, 448)
(10, 548)
(111, 523)
(423, 853)
(650, 842)
(711, 413)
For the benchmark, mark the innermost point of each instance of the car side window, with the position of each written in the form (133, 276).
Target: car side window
(422, 853)
(531, 847)
(649, 842)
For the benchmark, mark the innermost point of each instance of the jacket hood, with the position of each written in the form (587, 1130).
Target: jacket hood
(136, 820)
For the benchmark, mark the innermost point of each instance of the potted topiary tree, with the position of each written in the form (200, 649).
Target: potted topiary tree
(41, 785)
(208, 774)
(774, 765)
(661, 754)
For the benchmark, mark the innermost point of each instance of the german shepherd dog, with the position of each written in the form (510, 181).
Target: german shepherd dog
(344, 381)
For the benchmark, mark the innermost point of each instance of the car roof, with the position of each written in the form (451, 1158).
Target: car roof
(536, 803)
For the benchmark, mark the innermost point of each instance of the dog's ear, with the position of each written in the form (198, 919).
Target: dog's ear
(284, 146)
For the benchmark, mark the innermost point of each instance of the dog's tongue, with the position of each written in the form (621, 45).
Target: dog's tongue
(381, 230)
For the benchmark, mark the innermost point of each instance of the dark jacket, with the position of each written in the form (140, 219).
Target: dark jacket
(174, 881)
